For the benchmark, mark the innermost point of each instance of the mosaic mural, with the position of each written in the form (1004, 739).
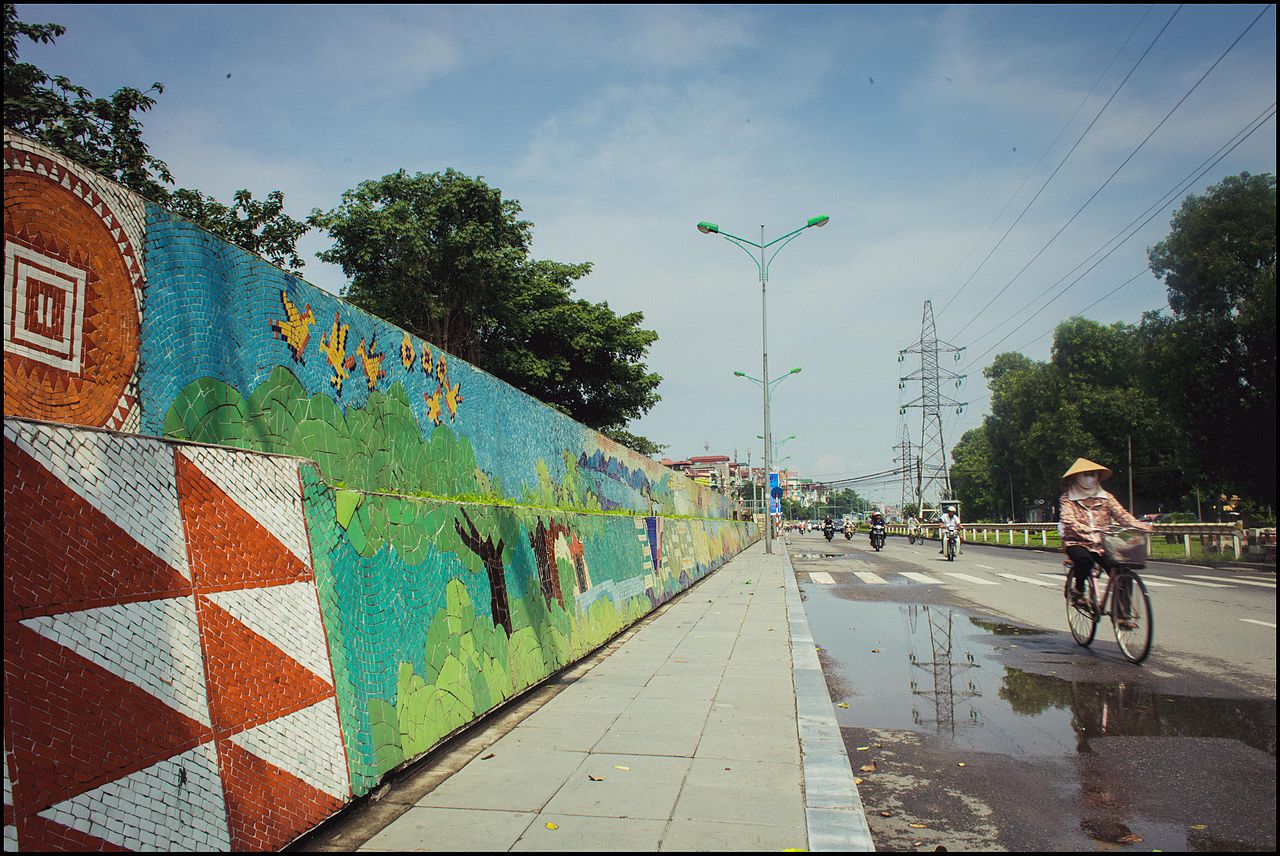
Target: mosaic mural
(233, 644)
(167, 677)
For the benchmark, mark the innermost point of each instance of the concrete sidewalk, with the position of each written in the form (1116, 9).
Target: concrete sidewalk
(706, 727)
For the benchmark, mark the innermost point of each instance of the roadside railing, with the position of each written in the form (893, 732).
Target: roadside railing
(1254, 544)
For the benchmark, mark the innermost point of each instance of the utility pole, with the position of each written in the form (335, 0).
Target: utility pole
(934, 473)
(1132, 510)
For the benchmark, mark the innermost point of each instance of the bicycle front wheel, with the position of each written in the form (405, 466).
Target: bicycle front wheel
(1083, 619)
(1131, 617)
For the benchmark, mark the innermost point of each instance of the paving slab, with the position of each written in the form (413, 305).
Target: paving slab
(706, 727)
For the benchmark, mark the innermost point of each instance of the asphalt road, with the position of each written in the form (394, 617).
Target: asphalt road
(983, 725)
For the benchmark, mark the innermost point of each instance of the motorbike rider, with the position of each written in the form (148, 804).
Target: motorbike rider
(950, 521)
(876, 518)
(828, 527)
(913, 527)
(1087, 510)
(848, 526)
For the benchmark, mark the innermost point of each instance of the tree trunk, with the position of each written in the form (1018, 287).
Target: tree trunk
(491, 555)
(543, 541)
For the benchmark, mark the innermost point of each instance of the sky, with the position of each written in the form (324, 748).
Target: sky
(973, 157)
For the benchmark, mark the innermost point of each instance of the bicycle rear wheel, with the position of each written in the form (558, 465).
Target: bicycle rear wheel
(1134, 630)
(1083, 619)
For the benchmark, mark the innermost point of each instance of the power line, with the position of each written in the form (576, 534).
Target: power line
(1179, 188)
(1240, 136)
(1015, 193)
(1117, 170)
(1066, 157)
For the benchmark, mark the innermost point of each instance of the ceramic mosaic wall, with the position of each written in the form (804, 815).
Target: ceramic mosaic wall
(213, 648)
(459, 606)
(167, 681)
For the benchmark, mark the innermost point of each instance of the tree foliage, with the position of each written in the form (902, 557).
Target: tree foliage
(105, 135)
(1090, 399)
(1194, 390)
(1219, 264)
(445, 256)
(259, 226)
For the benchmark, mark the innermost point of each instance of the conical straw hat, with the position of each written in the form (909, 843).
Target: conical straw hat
(1084, 465)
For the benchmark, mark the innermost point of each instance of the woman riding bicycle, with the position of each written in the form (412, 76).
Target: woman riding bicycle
(1087, 511)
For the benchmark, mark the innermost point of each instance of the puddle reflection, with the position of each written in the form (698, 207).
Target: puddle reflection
(938, 670)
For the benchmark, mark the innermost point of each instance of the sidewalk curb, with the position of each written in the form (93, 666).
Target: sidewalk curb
(833, 808)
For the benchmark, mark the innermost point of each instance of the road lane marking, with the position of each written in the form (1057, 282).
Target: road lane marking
(1259, 579)
(873, 579)
(985, 567)
(1185, 581)
(1263, 623)
(1236, 580)
(921, 578)
(1034, 582)
(821, 577)
(975, 580)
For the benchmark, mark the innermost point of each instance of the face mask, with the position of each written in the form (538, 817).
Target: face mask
(1087, 482)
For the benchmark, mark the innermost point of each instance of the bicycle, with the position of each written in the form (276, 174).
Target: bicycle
(1134, 626)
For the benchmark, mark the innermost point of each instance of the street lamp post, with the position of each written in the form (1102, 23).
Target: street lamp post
(769, 450)
(763, 265)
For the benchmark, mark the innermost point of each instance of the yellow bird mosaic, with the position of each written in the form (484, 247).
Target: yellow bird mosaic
(295, 329)
(334, 348)
(407, 353)
(371, 363)
(448, 396)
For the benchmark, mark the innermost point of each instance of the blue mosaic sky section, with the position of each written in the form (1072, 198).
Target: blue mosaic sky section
(208, 314)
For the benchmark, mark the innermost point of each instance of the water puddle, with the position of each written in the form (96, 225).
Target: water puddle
(939, 670)
(1115, 764)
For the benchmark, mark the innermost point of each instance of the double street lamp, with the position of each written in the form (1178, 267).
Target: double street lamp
(762, 264)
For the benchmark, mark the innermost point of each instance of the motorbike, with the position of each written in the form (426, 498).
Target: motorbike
(877, 536)
(829, 532)
(953, 538)
(848, 533)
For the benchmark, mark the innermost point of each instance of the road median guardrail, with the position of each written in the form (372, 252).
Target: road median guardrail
(1252, 544)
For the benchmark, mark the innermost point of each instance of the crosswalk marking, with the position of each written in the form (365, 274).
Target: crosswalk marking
(1263, 623)
(1145, 579)
(985, 567)
(976, 580)
(1028, 580)
(1257, 579)
(1184, 580)
(1050, 580)
(1236, 580)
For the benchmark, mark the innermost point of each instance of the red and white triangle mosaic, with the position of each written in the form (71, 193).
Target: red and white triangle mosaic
(167, 679)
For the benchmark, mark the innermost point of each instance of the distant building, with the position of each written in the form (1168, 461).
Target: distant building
(712, 470)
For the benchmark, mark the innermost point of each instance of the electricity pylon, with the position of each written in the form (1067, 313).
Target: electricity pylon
(934, 478)
(906, 460)
(942, 671)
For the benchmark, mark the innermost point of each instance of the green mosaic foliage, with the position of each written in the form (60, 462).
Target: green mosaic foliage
(467, 673)
(377, 448)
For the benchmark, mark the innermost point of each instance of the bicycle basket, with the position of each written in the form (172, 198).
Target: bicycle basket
(1131, 552)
